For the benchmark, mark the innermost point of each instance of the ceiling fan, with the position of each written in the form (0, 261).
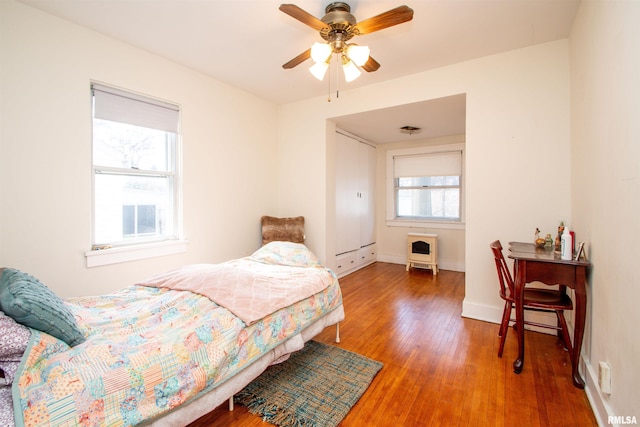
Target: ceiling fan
(337, 27)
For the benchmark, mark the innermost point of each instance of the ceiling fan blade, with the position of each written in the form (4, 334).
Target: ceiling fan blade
(302, 16)
(298, 59)
(371, 65)
(385, 20)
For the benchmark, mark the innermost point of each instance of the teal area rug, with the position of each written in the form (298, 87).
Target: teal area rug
(317, 386)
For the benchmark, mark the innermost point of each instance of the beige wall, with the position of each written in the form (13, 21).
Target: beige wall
(229, 150)
(605, 191)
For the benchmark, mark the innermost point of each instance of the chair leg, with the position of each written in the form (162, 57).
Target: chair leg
(564, 331)
(506, 314)
(504, 326)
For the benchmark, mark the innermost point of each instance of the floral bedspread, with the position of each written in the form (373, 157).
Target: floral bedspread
(148, 350)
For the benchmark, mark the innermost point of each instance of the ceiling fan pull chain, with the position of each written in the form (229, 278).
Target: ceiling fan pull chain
(329, 83)
(329, 89)
(337, 79)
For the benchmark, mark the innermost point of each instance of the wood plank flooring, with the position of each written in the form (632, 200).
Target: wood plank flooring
(440, 368)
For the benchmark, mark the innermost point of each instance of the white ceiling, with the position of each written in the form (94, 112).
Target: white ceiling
(245, 42)
(437, 117)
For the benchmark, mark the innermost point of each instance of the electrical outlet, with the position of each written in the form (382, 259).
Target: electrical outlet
(604, 377)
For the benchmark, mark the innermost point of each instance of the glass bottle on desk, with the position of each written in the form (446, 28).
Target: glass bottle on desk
(567, 245)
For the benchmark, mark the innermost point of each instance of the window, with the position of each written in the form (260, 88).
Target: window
(428, 197)
(135, 151)
(426, 184)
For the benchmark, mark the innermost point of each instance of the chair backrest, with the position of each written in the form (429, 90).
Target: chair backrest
(504, 275)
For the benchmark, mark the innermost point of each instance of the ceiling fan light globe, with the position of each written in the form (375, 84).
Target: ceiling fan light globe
(319, 69)
(351, 72)
(358, 54)
(320, 52)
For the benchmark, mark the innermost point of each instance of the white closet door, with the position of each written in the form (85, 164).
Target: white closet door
(347, 191)
(367, 199)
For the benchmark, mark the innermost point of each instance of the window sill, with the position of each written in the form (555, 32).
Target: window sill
(425, 224)
(132, 253)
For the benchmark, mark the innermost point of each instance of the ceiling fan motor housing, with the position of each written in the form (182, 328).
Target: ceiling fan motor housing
(341, 24)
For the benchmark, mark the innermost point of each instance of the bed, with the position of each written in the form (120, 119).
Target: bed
(161, 352)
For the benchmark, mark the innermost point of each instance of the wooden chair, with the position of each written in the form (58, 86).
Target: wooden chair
(534, 300)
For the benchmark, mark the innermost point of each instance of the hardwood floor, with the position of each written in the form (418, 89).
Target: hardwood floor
(440, 368)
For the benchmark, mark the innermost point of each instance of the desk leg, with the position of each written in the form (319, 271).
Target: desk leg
(520, 268)
(578, 332)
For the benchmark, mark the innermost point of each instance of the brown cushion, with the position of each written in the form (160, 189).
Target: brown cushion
(282, 229)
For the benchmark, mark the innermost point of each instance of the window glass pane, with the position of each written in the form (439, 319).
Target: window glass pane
(442, 203)
(122, 145)
(128, 220)
(429, 181)
(130, 206)
(146, 219)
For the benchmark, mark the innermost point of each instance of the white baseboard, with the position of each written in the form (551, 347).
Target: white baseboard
(599, 405)
(396, 259)
(486, 313)
(392, 259)
(493, 314)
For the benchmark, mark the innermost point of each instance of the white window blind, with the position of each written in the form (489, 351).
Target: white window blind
(432, 164)
(125, 107)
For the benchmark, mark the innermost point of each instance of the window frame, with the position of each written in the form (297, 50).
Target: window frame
(107, 253)
(391, 196)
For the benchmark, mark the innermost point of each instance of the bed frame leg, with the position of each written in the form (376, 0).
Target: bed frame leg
(337, 332)
(231, 404)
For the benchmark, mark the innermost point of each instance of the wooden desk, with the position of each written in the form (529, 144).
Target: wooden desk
(532, 264)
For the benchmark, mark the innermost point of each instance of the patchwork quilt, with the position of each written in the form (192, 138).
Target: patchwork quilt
(149, 350)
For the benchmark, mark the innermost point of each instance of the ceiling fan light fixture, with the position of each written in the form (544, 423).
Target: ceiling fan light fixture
(358, 54)
(336, 28)
(320, 52)
(319, 69)
(351, 72)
